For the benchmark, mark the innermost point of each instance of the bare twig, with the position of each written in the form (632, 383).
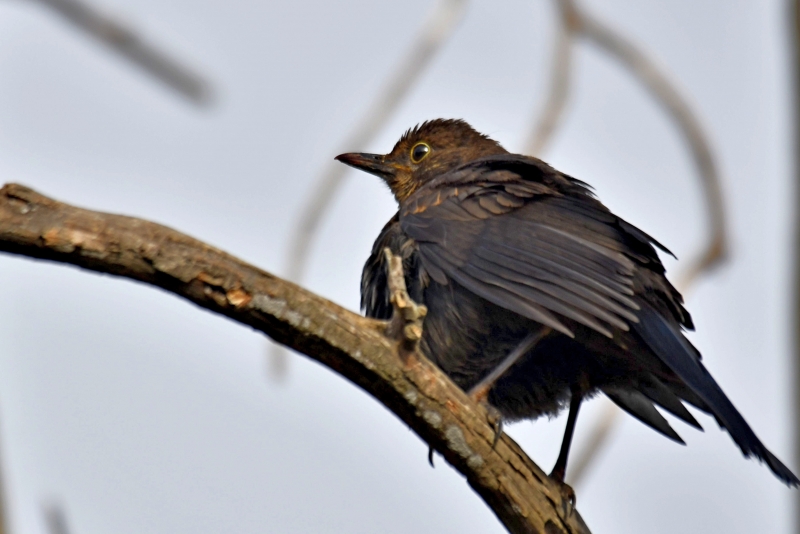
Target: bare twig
(437, 30)
(129, 43)
(558, 91)
(523, 497)
(576, 22)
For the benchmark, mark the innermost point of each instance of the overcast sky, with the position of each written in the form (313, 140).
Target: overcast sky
(139, 412)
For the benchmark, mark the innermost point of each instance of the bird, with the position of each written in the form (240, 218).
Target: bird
(538, 296)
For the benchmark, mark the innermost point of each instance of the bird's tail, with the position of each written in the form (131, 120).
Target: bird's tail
(672, 348)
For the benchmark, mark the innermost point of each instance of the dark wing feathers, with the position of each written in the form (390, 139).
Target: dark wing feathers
(495, 235)
(374, 284)
(580, 273)
(536, 277)
(495, 293)
(498, 276)
(643, 237)
(521, 235)
(563, 301)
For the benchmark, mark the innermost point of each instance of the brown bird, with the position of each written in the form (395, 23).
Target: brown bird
(538, 296)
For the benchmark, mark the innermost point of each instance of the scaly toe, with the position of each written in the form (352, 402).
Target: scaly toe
(568, 498)
(493, 417)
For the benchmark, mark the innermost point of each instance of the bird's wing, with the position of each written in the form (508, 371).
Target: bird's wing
(375, 296)
(526, 238)
(515, 232)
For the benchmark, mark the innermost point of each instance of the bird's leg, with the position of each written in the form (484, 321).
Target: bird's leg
(480, 391)
(406, 323)
(560, 469)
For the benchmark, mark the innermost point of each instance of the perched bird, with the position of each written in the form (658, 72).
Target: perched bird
(538, 296)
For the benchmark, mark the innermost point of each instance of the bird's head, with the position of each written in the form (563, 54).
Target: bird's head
(424, 152)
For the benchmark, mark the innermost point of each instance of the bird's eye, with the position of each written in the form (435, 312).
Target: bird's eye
(419, 152)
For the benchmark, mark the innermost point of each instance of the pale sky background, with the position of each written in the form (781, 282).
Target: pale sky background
(139, 412)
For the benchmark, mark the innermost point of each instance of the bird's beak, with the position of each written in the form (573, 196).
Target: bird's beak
(371, 163)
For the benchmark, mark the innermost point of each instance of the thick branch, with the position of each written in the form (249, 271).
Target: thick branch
(521, 495)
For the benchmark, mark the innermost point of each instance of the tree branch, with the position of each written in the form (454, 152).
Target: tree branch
(127, 42)
(518, 492)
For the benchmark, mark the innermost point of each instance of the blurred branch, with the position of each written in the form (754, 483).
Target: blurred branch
(794, 32)
(558, 90)
(576, 22)
(523, 497)
(127, 42)
(55, 518)
(438, 28)
(593, 444)
(677, 108)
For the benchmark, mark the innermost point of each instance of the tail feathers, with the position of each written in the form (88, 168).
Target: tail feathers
(780, 470)
(657, 392)
(668, 343)
(641, 408)
(685, 393)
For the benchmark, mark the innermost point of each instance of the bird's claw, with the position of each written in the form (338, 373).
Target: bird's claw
(493, 416)
(495, 419)
(568, 498)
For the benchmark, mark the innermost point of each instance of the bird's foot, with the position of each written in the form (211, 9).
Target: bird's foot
(406, 323)
(493, 415)
(495, 419)
(568, 498)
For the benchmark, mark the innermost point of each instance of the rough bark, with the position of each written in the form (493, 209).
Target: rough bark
(520, 493)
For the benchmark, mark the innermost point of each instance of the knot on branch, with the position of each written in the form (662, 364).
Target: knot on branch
(406, 323)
